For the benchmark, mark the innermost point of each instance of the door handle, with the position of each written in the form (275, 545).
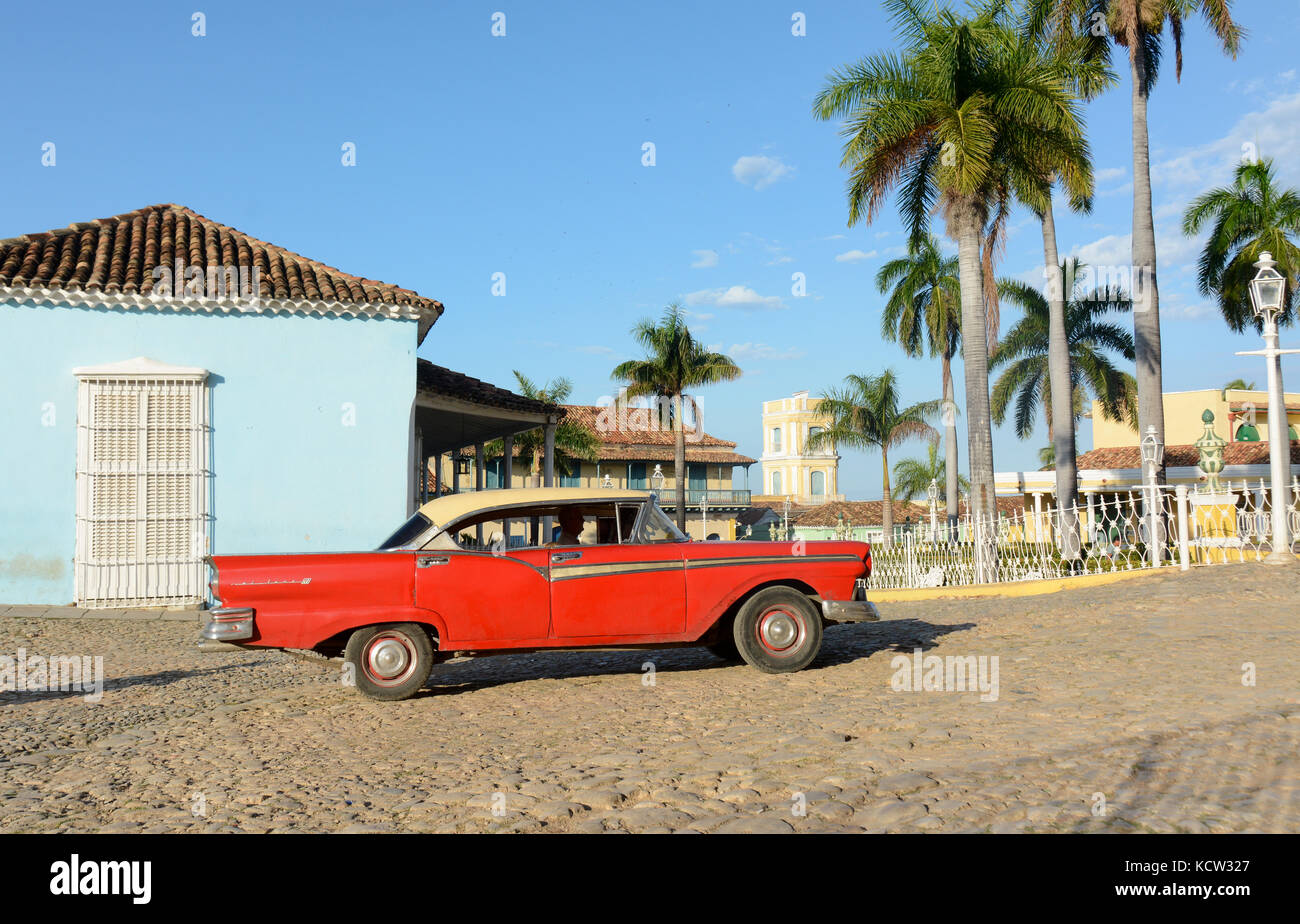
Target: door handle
(428, 561)
(565, 556)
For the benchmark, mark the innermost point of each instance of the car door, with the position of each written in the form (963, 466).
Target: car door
(623, 592)
(486, 596)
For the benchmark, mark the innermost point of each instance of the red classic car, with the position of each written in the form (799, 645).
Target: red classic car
(485, 573)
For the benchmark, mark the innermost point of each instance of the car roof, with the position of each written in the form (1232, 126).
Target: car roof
(452, 507)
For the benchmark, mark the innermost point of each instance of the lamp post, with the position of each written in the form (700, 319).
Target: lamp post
(785, 518)
(1267, 294)
(932, 492)
(1152, 454)
(657, 480)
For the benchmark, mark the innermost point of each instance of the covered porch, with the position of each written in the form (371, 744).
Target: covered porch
(454, 412)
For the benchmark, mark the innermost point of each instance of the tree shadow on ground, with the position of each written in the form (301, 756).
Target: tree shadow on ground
(841, 645)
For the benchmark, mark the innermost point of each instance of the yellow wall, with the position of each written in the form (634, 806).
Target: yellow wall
(794, 416)
(1183, 411)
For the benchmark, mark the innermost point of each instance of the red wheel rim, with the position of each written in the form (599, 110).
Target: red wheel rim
(389, 659)
(780, 631)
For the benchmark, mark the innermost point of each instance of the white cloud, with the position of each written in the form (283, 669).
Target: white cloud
(595, 350)
(780, 260)
(1106, 174)
(760, 171)
(704, 259)
(735, 297)
(854, 256)
(835, 237)
(762, 351)
(1272, 132)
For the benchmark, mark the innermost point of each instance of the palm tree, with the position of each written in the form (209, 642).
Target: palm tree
(865, 414)
(675, 362)
(1025, 354)
(1237, 384)
(1248, 217)
(924, 306)
(1138, 27)
(947, 120)
(912, 477)
(573, 441)
(1080, 59)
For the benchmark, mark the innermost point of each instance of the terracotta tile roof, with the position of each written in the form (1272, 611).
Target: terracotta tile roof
(439, 380)
(859, 513)
(634, 426)
(665, 454)
(117, 255)
(1121, 457)
(637, 435)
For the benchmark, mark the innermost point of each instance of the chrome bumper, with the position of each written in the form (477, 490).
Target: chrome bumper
(850, 611)
(228, 625)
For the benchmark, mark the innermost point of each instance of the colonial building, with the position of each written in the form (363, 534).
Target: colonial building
(789, 469)
(1241, 415)
(174, 388)
(636, 451)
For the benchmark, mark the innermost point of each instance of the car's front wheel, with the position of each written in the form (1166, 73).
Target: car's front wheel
(778, 630)
(390, 662)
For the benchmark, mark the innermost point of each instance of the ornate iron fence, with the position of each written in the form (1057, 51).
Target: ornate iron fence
(1114, 533)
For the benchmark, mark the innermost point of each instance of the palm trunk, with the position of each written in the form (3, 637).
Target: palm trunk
(1062, 406)
(975, 362)
(1146, 305)
(679, 460)
(887, 503)
(951, 484)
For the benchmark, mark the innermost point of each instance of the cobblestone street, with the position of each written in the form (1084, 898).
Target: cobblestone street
(1119, 708)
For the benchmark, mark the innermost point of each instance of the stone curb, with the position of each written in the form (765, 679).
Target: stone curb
(75, 612)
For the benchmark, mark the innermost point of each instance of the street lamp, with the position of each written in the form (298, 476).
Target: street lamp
(1267, 294)
(1152, 453)
(932, 492)
(657, 479)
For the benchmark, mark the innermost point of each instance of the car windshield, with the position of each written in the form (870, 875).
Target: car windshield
(659, 527)
(407, 533)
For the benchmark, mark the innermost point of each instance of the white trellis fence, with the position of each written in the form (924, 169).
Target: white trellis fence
(1191, 527)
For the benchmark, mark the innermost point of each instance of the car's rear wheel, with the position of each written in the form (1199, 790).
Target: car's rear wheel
(390, 662)
(778, 630)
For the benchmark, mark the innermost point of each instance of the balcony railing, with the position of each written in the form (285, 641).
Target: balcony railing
(716, 497)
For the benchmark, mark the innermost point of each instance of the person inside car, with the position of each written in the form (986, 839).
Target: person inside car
(571, 526)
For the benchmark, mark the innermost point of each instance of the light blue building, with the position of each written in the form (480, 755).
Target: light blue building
(173, 388)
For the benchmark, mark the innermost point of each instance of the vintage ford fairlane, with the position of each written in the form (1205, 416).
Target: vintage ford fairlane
(487, 573)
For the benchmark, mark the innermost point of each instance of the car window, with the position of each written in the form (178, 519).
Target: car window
(525, 527)
(659, 527)
(407, 533)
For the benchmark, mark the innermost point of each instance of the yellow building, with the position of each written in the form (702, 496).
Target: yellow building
(1240, 416)
(788, 469)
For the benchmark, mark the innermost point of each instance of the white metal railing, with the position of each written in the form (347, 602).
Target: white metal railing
(1113, 534)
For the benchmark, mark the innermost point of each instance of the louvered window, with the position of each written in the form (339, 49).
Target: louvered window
(142, 486)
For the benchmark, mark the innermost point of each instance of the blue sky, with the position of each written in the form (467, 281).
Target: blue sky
(523, 154)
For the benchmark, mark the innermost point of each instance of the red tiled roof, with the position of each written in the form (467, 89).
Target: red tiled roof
(1121, 457)
(118, 255)
(638, 435)
(635, 427)
(860, 513)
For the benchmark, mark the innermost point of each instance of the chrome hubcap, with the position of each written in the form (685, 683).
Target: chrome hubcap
(388, 658)
(778, 630)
